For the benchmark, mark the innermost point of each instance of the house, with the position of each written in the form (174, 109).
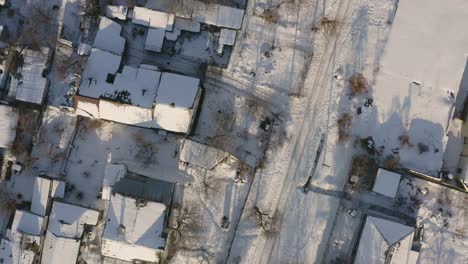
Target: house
(142, 96)
(133, 230)
(60, 250)
(28, 83)
(201, 155)
(386, 183)
(42, 190)
(157, 22)
(384, 241)
(67, 220)
(22, 240)
(8, 124)
(64, 232)
(40, 197)
(108, 37)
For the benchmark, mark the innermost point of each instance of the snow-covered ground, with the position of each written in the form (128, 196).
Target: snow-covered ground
(443, 213)
(98, 142)
(212, 195)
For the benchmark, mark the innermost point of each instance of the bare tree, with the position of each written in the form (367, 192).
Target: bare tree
(265, 221)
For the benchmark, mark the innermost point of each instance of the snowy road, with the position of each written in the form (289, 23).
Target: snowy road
(303, 222)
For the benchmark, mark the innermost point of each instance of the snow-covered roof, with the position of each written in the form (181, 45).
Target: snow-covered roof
(133, 231)
(218, 15)
(8, 123)
(172, 118)
(416, 73)
(108, 37)
(27, 223)
(182, 24)
(58, 189)
(40, 196)
(60, 250)
(152, 18)
(100, 64)
(376, 238)
(67, 220)
(386, 183)
(135, 86)
(177, 90)
(155, 39)
(140, 96)
(113, 173)
(11, 253)
(201, 155)
(227, 36)
(31, 86)
(119, 12)
(126, 114)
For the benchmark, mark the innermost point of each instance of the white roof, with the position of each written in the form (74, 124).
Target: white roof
(113, 173)
(27, 223)
(40, 196)
(155, 39)
(100, 64)
(119, 12)
(178, 90)
(133, 227)
(60, 250)
(86, 107)
(126, 114)
(8, 123)
(227, 37)
(32, 86)
(108, 37)
(218, 15)
(386, 183)
(128, 252)
(135, 86)
(58, 189)
(378, 235)
(201, 155)
(11, 253)
(152, 18)
(172, 118)
(67, 220)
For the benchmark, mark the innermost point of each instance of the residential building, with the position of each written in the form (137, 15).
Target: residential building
(133, 230)
(386, 242)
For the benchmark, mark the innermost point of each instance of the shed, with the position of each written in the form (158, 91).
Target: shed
(30, 84)
(386, 183)
(8, 124)
(27, 223)
(40, 196)
(155, 39)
